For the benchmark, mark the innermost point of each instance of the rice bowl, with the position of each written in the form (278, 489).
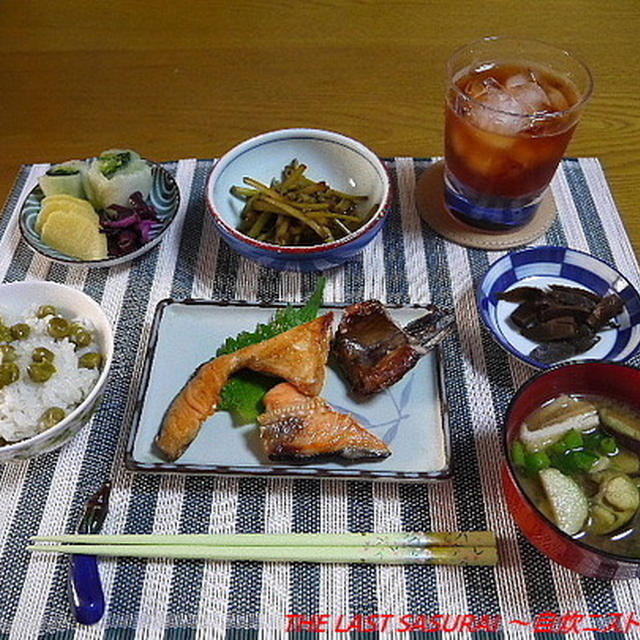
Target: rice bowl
(73, 389)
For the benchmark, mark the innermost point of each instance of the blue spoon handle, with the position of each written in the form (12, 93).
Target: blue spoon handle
(86, 595)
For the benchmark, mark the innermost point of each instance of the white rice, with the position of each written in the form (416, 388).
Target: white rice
(23, 402)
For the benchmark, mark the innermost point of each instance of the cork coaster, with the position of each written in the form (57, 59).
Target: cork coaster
(432, 208)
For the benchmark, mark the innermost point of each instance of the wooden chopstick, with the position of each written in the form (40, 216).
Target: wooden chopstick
(482, 556)
(402, 539)
(460, 548)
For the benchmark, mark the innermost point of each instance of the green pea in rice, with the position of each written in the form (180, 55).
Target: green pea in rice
(23, 403)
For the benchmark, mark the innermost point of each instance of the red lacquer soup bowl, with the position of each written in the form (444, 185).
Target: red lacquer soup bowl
(605, 379)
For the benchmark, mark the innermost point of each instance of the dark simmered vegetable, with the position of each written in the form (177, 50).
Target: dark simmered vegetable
(565, 320)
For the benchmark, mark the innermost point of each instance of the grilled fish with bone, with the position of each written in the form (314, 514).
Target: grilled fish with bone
(373, 352)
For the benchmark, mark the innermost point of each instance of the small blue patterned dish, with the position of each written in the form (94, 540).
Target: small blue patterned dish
(550, 265)
(164, 197)
(343, 163)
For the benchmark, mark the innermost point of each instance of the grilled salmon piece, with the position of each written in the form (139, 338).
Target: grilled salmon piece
(297, 428)
(298, 355)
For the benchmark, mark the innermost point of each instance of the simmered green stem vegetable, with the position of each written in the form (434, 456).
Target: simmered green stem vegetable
(317, 213)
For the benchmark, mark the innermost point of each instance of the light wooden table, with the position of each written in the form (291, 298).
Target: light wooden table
(191, 79)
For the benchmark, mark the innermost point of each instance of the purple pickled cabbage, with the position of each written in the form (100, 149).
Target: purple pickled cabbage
(128, 228)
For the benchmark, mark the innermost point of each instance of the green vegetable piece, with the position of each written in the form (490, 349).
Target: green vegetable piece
(284, 319)
(20, 331)
(90, 360)
(581, 460)
(5, 334)
(9, 373)
(7, 353)
(110, 163)
(63, 171)
(58, 328)
(518, 454)
(46, 310)
(41, 371)
(52, 416)
(608, 445)
(591, 440)
(79, 335)
(560, 461)
(42, 354)
(535, 462)
(239, 394)
(560, 448)
(572, 439)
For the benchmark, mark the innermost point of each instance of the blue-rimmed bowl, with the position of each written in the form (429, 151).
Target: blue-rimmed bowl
(345, 164)
(164, 197)
(543, 266)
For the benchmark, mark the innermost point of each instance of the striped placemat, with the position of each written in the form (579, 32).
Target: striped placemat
(407, 263)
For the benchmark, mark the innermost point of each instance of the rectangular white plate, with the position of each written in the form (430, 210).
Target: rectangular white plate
(410, 417)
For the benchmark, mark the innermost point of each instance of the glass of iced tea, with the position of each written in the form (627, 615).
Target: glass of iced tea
(512, 107)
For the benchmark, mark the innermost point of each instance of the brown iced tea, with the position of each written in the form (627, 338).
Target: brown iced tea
(490, 146)
(509, 119)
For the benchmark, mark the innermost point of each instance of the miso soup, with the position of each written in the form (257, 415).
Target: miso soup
(576, 458)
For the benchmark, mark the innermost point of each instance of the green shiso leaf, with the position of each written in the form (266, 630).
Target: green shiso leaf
(243, 393)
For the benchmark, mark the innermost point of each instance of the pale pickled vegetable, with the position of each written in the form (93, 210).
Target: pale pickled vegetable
(75, 236)
(115, 175)
(80, 207)
(64, 178)
(569, 504)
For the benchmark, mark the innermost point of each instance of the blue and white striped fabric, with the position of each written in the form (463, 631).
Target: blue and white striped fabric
(163, 599)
